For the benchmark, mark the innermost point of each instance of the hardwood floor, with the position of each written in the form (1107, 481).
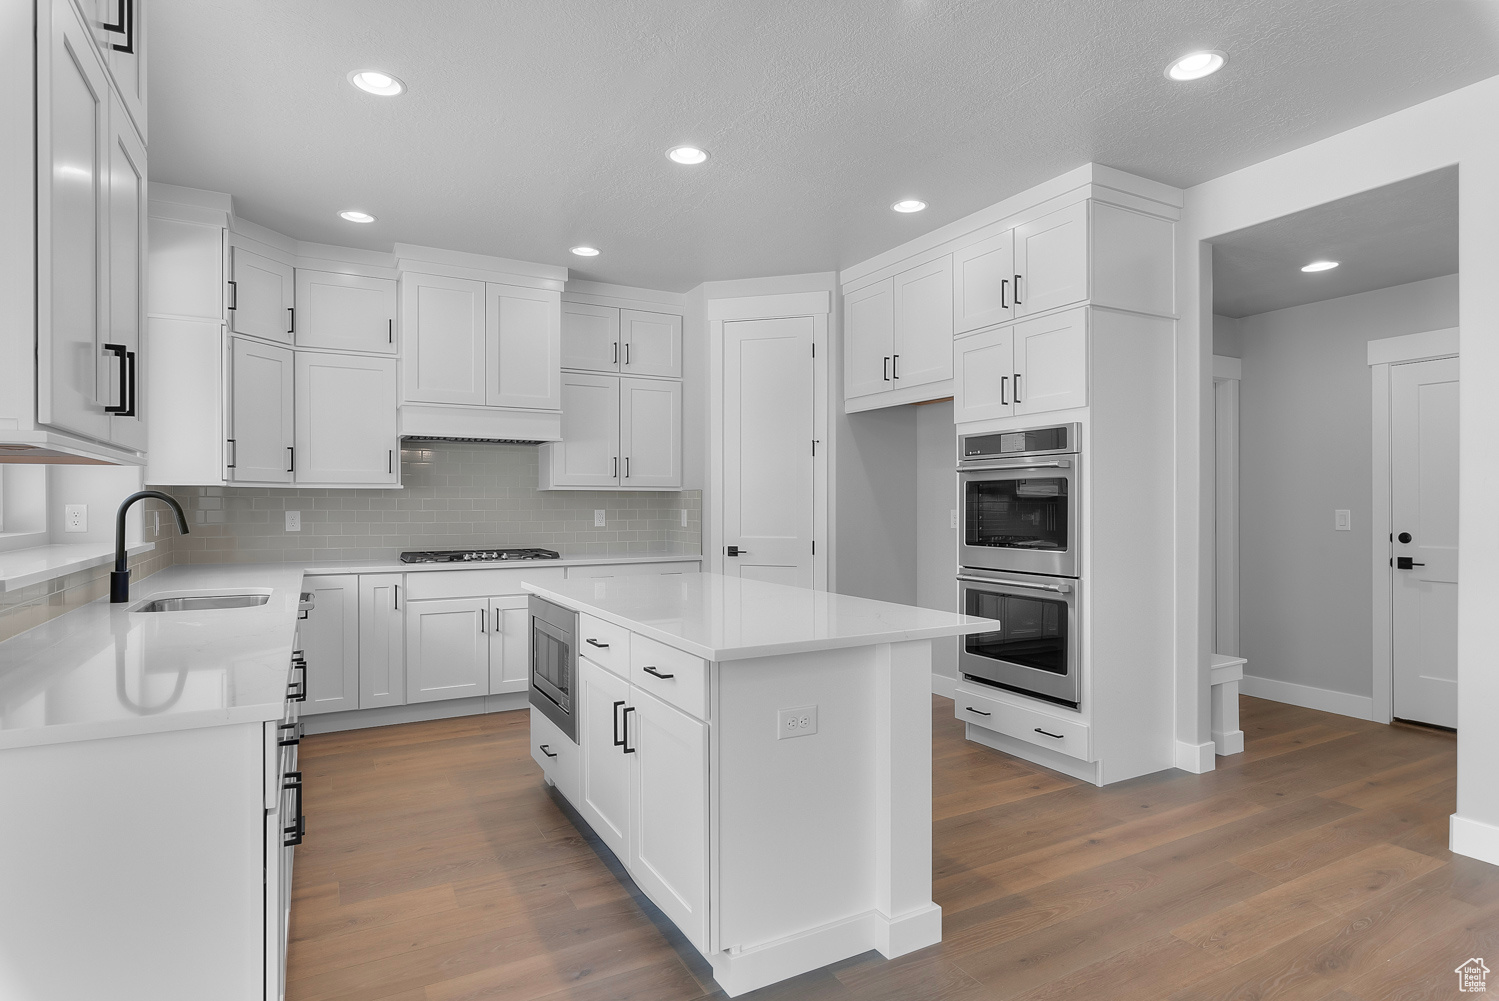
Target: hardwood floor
(1312, 867)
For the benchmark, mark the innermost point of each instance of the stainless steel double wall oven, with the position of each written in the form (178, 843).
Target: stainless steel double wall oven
(1020, 559)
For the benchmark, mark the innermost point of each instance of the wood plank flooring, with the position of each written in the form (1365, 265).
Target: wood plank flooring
(1313, 867)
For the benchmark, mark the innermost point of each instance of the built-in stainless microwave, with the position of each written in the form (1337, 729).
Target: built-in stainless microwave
(1035, 646)
(554, 664)
(1019, 500)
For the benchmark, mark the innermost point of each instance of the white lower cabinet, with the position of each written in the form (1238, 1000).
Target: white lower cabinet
(447, 649)
(557, 755)
(382, 641)
(330, 643)
(509, 644)
(604, 776)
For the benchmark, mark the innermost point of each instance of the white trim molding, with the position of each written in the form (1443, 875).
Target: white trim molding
(1308, 697)
(1474, 839)
(1226, 367)
(1414, 347)
(771, 307)
(1196, 758)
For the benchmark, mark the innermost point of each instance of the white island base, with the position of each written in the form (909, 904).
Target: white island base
(775, 855)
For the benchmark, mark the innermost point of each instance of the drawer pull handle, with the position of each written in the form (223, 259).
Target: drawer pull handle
(618, 740)
(544, 750)
(625, 716)
(593, 642)
(979, 711)
(652, 671)
(1048, 733)
(296, 734)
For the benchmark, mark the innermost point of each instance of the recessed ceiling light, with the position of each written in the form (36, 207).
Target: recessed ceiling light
(1196, 65)
(354, 215)
(690, 155)
(586, 251)
(377, 83)
(1321, 266)
(909, 205)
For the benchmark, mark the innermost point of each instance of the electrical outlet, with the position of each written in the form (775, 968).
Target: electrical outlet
(294, 521)
(798, 722)
(598, 519)
(1342, 521)
(156, 522)
(684, 517)
(75, 517)
(952, 518)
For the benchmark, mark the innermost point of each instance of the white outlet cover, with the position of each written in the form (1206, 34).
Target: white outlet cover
(598, 519)
(294, 521)
(75, 517)
(1342, 520)
(798, 722)
(684, 517)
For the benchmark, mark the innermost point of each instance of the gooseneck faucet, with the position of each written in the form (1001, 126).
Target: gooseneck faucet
(119, 579)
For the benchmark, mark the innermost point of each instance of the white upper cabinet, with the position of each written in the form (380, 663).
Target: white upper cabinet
(346, 312)
(346, 419)
(984, 283)
(524, 348)
(127, 277)
(868, 339)
(1051, 261)
(923, 325)
(651, 343)
(650, 432)
(262, 295)
(119, 30)
(442, 340)
(1051, 362)
(590, 337)
(984, 365)
(261, 409)
(588, 455)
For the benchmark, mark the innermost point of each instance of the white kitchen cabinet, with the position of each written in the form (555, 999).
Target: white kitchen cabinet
(650, 433)
(447, 649)
(669, 843)
(1032, 367)
(651, 344)
(346, 419)
(126, 301)
(556, 754)
(984, 367)
(262, 295)
(590, 337)
(382, 641)
(261, 412)
(523, 348)
(868, 339)
(509, 644)
(604, 786)
(923, 325)
(119, 31)
(984, 283)
(442, 340)
(330, 643)
(345, 312)
(1051, 260)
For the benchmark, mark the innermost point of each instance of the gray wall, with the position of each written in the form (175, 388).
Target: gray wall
(1227, 337)
(1305, 446)
(936, 540)
(874, 555)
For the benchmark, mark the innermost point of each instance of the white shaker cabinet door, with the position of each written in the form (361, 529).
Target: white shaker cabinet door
(262, 293)
(1051, 260)
(126, 196)
(984, 283)
(524, 353)
(868, 339)
(346, 419)
(260, 412)
(651, 343)
(588, 455)
(1051, 362)
(348, 312)
(447, 649)
(330, 643)
(590, 337)
(382, 641)
(650, 433)
(984, 375)
(442, 340)
(604, 792)
(669, 853)
(509, 644)
(923, 325)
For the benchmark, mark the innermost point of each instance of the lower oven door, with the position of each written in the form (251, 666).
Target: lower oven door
(1036, 644)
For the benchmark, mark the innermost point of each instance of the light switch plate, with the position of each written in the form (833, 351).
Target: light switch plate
(294, 521)
(952, 518)
(75, 518)
(1342, 520)
(798, 722)
(598, 519)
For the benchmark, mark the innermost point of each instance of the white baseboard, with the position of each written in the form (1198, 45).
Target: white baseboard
(1474, 839)
(1357, 706)
(944, 686)
(1196, 758)
(416, 712)
(1230, 742)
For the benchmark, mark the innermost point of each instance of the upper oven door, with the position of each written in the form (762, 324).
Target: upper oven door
(1020, 515)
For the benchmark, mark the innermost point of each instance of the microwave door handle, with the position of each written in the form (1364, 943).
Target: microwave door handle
(1058, 588)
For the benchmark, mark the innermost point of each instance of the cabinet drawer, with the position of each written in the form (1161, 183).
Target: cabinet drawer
(604, 643)
(686, 684)
(559, 760)
(1034, 726)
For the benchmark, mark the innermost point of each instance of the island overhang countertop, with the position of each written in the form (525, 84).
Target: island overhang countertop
(723, 618)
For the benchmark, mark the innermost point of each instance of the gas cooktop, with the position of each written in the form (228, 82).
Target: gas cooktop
(478, 555)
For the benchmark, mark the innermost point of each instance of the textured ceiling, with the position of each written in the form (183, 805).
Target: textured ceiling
(1403, 232)
(533, 126)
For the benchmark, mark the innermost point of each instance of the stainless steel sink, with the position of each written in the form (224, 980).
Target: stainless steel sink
(198, 602)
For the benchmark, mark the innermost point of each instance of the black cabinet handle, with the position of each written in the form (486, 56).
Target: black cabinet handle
(291, 458)
(291, 319)
(618, 740)
(1004, 286)
(657, 674)
(390, 331)
(234, 452)
(1017, 387)
(1048, 733)
(295, 738)
(593, 642)
(134, 388)
(119, 351)
(979, 711)
(297, 829)
(543, 749)
(1017, 290)
(885, 368)
(627, 467)
(296, 690)
(1004, 383)
(396, 597)
(895, 366)
(627, 353)
(233, 287)
(126, 27)
(626, 717)
(615, 474)
(616, 353)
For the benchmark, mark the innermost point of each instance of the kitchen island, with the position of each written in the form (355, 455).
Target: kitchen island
(758, 756)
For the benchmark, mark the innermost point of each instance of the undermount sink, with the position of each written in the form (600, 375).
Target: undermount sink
(198, 602)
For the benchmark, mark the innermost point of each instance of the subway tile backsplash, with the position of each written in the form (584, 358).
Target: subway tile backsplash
(455, 496)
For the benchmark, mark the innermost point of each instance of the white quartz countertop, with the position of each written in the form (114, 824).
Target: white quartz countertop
(104, 670)
(23, 567)
(727, 618)
(396, 566)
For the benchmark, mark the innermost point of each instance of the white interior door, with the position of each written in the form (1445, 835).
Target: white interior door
(768, 428)
(1423, 472)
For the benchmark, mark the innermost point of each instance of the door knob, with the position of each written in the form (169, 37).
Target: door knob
(736, 551)
(1406, 563)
